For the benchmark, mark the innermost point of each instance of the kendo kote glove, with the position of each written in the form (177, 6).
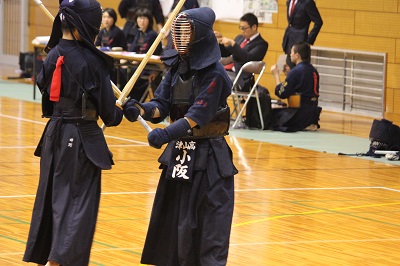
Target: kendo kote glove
(131, 111)
(117, 119)
(149, 109)
(176, 130)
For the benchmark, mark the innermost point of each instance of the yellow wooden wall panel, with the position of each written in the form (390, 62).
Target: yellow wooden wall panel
(274, 39)
(393, 117)
(40, 23)
(397, 52)
(357, 42)
(339, 21)
(389, 104)
(396, 102)
(393, 77)
(110, 3)
(384, 24)
(228, 29)
(281, 16)
(362, 5)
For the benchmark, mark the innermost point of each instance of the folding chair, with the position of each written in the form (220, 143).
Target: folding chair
(254, 67)
(148, 93)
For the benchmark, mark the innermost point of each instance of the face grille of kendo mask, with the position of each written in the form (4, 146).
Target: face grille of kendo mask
(182, 33)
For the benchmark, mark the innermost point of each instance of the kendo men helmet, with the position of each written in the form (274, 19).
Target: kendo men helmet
(85, 16)
(193, 36)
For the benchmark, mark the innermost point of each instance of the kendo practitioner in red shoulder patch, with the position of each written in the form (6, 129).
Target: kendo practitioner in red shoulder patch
(76, 90)
(192, 212)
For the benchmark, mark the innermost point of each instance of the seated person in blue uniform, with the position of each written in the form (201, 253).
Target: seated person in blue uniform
(140, 45)
(128, 8)
(246, 47)
(192, 212)
(303, 79)
(110, 35)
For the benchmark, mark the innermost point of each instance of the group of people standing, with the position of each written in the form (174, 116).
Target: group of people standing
(191, 218)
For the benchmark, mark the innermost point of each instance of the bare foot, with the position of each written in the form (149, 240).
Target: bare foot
(52, 263)
(312, 127)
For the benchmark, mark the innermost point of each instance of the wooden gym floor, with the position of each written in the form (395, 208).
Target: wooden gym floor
(293, 206)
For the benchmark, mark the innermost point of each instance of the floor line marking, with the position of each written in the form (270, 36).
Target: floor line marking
(391, 189)
(251, 244)
(318, 241)
(289, 189)
(23, 119)
(313, 212)
(238, 190)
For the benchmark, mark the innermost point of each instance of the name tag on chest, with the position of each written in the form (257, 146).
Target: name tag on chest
(182, 161)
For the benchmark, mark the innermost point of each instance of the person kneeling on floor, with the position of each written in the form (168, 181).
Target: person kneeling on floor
(302, 81)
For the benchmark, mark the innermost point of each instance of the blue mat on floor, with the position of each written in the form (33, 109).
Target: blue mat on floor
(18, 90)
(318, 141)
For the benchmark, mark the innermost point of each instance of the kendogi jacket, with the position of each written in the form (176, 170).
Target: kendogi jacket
(196, 86)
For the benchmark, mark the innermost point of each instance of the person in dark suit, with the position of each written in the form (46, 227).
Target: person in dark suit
(248, 46)
(300, 14)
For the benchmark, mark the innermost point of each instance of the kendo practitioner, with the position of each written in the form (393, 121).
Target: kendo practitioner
(189, 4)
(192, 213)
(302, 80)
(76, 90)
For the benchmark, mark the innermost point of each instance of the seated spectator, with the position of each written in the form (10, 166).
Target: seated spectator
(141, 44)
(248, 46)
(110, 35)
(303, 80)
(128, 8)
(146, 34)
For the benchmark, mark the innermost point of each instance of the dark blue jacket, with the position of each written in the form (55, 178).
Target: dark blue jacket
(303, 79)
(149, 37)
(305, 12)
(116, 38)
